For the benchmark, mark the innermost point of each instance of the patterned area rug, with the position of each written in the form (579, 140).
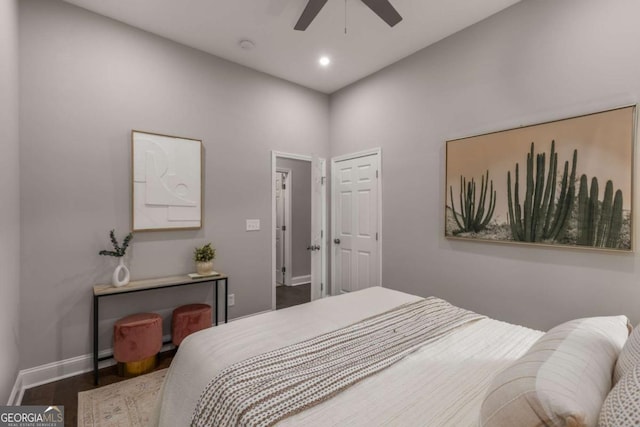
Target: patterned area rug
(125, 404)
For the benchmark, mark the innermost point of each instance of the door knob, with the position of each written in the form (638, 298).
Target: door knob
(336, 241)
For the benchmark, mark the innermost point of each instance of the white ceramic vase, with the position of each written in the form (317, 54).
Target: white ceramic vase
(121, 270)
(204, 268)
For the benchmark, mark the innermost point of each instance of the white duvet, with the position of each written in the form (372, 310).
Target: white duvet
(442, 384)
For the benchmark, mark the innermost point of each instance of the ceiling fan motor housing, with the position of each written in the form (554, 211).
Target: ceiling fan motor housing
(382, 8)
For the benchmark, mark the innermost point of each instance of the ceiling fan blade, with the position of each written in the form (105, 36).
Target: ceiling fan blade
(384, 10)
(309, 14)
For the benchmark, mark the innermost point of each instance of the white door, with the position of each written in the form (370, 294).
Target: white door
(356, 228)
(318, 224)
(281, 226)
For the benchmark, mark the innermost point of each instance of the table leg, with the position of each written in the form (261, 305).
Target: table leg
(226, 299)
(95, 340)
(215, 310)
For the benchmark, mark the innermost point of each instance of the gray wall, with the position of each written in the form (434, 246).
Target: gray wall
(10, 196)
(86, 82)
(300, 214)
(536, 61)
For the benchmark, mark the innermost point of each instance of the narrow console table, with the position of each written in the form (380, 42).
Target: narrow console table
(102, 291)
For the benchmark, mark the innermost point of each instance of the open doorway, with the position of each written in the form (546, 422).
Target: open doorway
(293, 232)
(298, 224)
(283, 226)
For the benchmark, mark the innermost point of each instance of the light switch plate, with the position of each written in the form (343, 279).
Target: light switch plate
(253, 225)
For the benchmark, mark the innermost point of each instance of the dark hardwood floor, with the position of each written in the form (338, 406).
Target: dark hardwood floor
(65, 392)
(288, 296)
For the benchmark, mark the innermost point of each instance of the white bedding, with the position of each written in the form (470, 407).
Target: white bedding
(441, 384)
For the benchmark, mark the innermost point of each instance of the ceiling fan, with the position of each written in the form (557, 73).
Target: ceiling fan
(382, 8)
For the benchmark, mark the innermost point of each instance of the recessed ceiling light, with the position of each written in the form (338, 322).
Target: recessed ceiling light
(324, 61)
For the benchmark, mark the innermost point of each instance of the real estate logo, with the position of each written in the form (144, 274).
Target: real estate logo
(31, 416)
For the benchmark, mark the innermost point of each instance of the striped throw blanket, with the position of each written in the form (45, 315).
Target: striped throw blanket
(267, 388)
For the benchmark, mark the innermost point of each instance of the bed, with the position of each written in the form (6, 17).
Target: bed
(439, 384)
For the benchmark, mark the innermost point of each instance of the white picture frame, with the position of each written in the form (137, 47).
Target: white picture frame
(166, 182)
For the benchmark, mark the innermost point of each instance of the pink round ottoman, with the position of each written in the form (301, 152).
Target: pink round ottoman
(188, 319)
(137, 339)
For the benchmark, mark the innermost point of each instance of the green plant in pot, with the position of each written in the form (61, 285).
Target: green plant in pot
(204, 256)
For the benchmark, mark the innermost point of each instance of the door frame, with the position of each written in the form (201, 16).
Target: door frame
(325, 237)
(350, 156)
(324, 232)
(287, 221)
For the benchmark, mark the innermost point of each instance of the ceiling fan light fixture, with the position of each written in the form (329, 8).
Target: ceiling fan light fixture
(324, 61)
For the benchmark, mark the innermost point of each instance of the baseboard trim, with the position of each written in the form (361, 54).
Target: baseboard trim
(300, 280)
(55, 371)
(16, 392)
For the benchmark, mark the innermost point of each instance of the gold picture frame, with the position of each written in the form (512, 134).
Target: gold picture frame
(166, 182)
(563, 183)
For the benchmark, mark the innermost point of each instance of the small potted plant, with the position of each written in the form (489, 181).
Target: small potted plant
(204, 257)
(119, 252)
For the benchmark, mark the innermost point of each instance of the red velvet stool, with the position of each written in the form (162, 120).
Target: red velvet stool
(137, 339)
(188, 319)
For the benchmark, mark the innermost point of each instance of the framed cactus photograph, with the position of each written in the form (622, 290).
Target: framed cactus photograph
(563, 183)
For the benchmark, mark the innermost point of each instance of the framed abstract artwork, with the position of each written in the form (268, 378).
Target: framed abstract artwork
(563, 183)
(166, 184)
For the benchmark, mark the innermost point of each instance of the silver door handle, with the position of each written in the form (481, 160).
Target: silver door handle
(336, 241)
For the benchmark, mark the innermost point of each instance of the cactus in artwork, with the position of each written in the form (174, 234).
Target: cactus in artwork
(585, 211)
(606, 211)
(599, 223)
(614, 237)
(542, 216)
(473, 215)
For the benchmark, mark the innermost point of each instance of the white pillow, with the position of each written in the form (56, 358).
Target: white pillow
(621, 408)
(563, 378)
(629, 356)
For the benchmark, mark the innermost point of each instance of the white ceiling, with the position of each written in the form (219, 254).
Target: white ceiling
(217, 27)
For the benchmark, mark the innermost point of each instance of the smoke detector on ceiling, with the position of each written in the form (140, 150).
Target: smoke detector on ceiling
(247, 44)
